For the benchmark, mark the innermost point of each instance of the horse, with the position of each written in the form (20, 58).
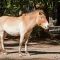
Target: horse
(22, 26)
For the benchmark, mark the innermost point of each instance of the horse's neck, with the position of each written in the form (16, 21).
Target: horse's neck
(29, 20)
(31, 24)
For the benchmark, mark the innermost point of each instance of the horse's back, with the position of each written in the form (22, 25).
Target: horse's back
(9, 20)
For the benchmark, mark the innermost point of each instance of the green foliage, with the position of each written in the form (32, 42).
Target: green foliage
(12, 7)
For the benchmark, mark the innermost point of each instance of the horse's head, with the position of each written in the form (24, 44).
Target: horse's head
(41, 20)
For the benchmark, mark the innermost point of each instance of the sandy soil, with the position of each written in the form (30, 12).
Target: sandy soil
(42, 50)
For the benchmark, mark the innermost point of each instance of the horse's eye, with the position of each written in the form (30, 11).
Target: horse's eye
(40, 13)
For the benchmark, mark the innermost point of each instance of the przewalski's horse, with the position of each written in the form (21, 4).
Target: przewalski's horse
(22, 25)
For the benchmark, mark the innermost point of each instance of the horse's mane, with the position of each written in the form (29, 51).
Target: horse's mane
(33, 11)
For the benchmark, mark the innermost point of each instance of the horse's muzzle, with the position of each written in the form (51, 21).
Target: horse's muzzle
(46, 30)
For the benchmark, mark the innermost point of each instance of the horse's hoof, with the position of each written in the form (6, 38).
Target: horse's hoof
(20, 54)
(3, 52)
(27, 53)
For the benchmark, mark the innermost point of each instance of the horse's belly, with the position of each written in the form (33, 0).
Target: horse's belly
(14, 31)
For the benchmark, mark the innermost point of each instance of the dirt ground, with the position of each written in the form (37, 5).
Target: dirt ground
(42, 50)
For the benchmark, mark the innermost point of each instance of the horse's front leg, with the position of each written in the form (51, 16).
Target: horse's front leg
(26, 42)
(26, 47)
(20, 44)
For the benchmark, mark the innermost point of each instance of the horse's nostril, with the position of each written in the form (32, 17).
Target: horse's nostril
(48, 26)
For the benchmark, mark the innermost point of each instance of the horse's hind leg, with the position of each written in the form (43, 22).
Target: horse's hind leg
(1, 39)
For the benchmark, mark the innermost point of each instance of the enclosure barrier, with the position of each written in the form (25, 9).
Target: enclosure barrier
(54, 29)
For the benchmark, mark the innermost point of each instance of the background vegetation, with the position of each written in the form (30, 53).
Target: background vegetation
(13, 7)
